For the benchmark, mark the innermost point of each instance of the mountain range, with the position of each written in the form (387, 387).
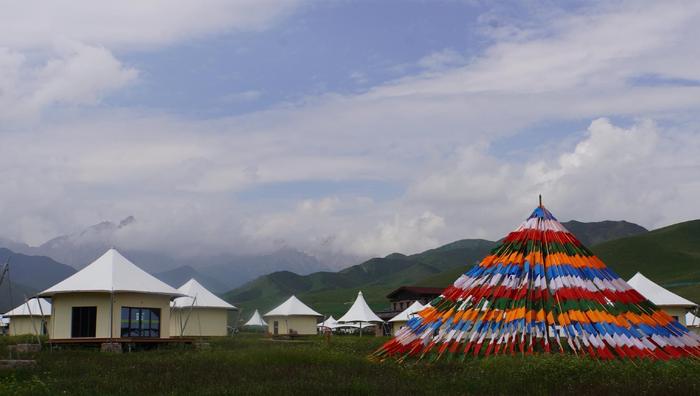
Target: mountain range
(330, 292)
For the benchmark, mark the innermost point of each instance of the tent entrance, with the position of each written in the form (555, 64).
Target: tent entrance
(275, 327)
(83, 322)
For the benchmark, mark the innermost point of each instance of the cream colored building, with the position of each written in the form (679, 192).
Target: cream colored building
(292, 317)
(668, 301)
(111, 298)
(400, 320)
(201, 313)
(31, 317)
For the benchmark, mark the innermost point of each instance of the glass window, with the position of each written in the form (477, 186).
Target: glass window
(140, 322)
(83, 321)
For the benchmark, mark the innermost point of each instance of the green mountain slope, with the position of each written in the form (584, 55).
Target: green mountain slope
(593, 233)
(332, 292)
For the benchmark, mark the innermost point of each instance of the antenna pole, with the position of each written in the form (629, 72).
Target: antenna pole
(540, 200)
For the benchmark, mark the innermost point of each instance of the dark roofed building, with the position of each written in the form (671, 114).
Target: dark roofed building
(404, 296)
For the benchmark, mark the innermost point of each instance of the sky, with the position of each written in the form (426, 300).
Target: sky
(343, 127)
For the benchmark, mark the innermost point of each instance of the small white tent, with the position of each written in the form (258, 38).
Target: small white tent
(400, 320)
(199, 313)
(329, 323)
(110, 298)
(292, 317)
(668, 301)
(31, 317)
(360, 313)
(256, 320)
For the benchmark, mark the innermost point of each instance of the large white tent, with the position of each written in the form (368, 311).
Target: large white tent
(199, 313)
(292, 317)
(256, 320)
(329, 323)
(110, 298)
(400, 320)
(30, 317)
(671, 303)
(360, 313)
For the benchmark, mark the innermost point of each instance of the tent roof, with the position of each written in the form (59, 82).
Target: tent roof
(199, 297)
(691, 320)
(112, 272)
(657, 294)
(255, 320)
(360, 312)
(330, 322)
(292, 307)
(33, 309)
(406, 313)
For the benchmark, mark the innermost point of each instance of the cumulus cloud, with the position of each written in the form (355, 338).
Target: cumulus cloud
(435, 135)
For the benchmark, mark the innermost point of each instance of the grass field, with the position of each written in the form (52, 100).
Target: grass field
(251, 364)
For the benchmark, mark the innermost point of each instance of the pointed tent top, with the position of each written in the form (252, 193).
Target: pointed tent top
(112, 272)
(292, 307)
(360, 312)
(255, 320)
(330, 322)
(407, 313)
(657, 294)
(198, 296)
(31, 308)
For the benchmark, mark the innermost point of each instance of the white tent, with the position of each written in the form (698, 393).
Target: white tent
(657, 294)
(112, 272)
(255, 320)
(292, 307)
(691, 320)
(669, 302)
(32, 307)
(329, 323)
(113, 298)
(408, 313)
(292, 317)
(360, 313)
(197, 295)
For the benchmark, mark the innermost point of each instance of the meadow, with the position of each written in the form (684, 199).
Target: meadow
(250, 364)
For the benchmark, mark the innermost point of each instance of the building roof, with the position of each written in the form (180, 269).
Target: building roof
(691, 320)
(292, 307)
(255, 320)
(198, 296)
(420, 290)
(112, 272)
(360, 312)
(31, 308)
(407, 313)
(657, 294)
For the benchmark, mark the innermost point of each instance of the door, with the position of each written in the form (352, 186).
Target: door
(275, 327)
(83, 322)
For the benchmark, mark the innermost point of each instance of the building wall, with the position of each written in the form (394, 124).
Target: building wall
(303, 325)
(62, 305)
(206, 322)
(395, 326)
(28, 325)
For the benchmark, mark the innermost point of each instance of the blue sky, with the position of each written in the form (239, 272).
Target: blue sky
(380, 126)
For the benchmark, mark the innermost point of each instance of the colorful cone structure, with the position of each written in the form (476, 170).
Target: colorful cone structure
(541, 291)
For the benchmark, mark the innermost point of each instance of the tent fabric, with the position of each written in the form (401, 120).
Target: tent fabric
(546, 293)
(112, 272)
(198, 296)
(330, 323)
(360, 312)
(657, 294)
(255, 320)
(408, 313)
(292, 307)
(31, 308)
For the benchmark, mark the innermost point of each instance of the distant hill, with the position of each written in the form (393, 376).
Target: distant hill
(594, 233)
(29, 274)
(669, 256)
(329, 292)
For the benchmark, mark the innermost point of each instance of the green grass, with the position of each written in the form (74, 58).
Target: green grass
(251, 364)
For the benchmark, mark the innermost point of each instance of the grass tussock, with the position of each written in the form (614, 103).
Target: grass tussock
(251, 364)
